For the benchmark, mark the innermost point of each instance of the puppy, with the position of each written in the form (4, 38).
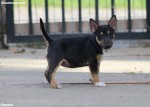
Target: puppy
(78, 52)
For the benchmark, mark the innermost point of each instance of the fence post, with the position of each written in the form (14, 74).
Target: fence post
(63, 17)
(80, 16)
(10, 21)
(112, 7)
(30, 17)
(46, 15)
(148, 15)
(129, 16)
(96, 11)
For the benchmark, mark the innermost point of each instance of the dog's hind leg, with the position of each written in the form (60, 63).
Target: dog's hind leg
(47, 73)
(50, 74)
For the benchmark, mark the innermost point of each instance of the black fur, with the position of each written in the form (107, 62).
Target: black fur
(44, 31)
(79, 52)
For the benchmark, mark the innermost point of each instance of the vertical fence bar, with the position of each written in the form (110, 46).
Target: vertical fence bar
(1, 19)
(112, 7)
(96, 11)
(80, 16)
(46, 15)
(10, 20)
(148, 15)
(63, 17)
(129, 16)
(30, 17)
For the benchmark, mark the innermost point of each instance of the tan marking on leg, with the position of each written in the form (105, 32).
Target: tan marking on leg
(53, 83)
(95, 77)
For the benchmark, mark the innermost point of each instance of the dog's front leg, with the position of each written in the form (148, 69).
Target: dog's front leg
(95, 76)
(94, 69)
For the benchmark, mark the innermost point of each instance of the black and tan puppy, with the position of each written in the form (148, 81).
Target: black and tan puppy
(79, 52)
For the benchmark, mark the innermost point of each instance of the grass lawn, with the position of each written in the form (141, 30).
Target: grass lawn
(88, 3)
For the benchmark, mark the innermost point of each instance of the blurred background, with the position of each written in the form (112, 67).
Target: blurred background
(19, 19)
(23, 51)
(20, 30)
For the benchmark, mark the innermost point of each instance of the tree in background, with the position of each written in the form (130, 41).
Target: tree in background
(2, 27)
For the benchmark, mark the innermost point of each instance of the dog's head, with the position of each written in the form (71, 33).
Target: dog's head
(104, 33)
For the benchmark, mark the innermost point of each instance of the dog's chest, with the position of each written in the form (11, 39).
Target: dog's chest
(99, 58)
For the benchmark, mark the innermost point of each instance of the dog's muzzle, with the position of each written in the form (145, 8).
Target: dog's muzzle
(107, 43)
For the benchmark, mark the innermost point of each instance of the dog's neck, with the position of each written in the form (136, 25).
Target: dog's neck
(97, 46)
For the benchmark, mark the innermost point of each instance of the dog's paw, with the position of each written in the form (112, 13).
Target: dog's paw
(100, 84)
(55, 85)
(59, 86)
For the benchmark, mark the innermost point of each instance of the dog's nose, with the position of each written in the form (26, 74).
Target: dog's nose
(107, 44)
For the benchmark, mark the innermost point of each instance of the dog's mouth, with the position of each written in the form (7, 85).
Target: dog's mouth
(106, 47)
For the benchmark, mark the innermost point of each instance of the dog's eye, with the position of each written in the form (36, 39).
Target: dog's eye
(101, 33)
(108, 31)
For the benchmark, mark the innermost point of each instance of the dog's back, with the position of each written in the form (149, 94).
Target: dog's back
(78, 52)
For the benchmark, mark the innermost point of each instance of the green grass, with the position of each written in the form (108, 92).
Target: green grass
(89, 3)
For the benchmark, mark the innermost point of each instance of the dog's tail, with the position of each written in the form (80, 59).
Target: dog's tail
(44, 31)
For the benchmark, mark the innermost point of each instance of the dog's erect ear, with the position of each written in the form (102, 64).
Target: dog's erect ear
(93, 25)
(113, 22)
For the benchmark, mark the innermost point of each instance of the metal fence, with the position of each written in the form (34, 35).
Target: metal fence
(68, 18)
